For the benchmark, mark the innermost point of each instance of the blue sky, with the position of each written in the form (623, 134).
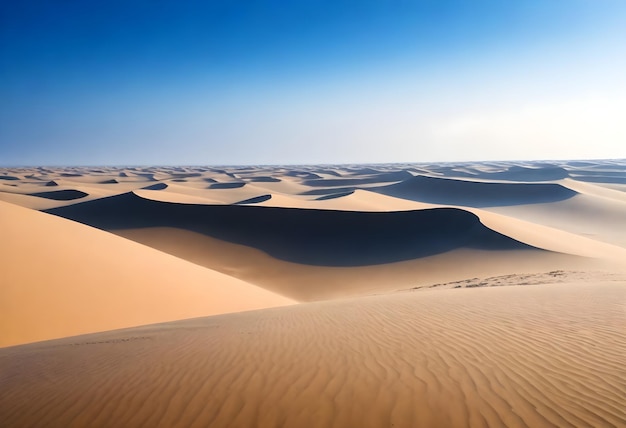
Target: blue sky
(274, 82)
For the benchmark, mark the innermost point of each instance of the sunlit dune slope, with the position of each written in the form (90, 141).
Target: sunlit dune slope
(310, 283)
(61, 278)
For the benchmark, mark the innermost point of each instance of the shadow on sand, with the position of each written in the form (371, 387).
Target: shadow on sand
(473, 193)
(313, 237)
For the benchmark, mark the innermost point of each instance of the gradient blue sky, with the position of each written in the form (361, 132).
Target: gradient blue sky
(276, 82)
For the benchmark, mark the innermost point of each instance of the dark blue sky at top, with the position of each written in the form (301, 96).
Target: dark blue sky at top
(49, 39)
(64, 64)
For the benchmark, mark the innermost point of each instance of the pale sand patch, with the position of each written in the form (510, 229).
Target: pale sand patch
(594, 189)
(551, 355)
(591, 216)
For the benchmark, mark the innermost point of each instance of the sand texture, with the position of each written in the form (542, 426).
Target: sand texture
(485, 357)
(418, 295)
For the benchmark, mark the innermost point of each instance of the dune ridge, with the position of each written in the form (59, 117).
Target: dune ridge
(60, 195)
(346, 238)
(312, 283)
(440, 190)
(87, 280)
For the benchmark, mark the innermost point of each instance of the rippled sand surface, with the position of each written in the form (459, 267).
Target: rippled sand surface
(535, 355)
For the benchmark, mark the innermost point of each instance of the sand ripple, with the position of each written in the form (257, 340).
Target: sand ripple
(506, 356)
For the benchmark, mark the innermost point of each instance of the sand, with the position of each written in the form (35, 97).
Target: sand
(61, 278)
(454, 358)
(475, 294)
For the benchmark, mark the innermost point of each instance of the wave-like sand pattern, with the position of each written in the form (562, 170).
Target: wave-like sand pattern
(451, 358)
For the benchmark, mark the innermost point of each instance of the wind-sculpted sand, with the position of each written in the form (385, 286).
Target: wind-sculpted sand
(451, 358)
(60, 278)
(416, 295)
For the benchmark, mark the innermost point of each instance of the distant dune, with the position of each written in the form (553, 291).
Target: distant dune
(475, 193)
(375, 178)
(61, 195)
(317, 237)
(158, 186)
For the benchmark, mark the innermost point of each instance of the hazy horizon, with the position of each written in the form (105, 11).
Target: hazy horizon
(164, 83)
(400, 163)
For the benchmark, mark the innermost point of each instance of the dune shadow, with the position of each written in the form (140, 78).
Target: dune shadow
(521, 173)
(60, 195)
(376, 178)
(334, 196)
(312, 237)
(234, 185)
(156, 186)
(255, 200)
(264, 180)
(473, 193)
(305, 175)
(329, 191)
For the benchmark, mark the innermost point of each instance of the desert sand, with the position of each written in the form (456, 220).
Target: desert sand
(474, 294)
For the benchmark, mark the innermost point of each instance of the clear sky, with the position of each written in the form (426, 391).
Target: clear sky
(310, 81)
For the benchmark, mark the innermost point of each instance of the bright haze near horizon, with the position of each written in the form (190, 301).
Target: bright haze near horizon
(275, 82)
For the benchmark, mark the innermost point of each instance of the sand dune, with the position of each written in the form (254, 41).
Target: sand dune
(357, 200)
(60, 278)
(458, 294)
(475, 193)
(310, 283)
(263, 179)
(346, 238)
(598, 218)
(158, 186)
(453, 358)
(521, 173)
(550, 238)
(175, 197)
(264, 246)
(228, 185)
(375, 178)
(255, 200)
(60, 195)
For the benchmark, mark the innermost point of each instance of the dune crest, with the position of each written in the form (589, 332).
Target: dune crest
(346, 238)
(475, 193)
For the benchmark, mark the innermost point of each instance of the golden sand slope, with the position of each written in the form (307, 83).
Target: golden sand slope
(61, 278)
(309, 283)
(551, 355)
